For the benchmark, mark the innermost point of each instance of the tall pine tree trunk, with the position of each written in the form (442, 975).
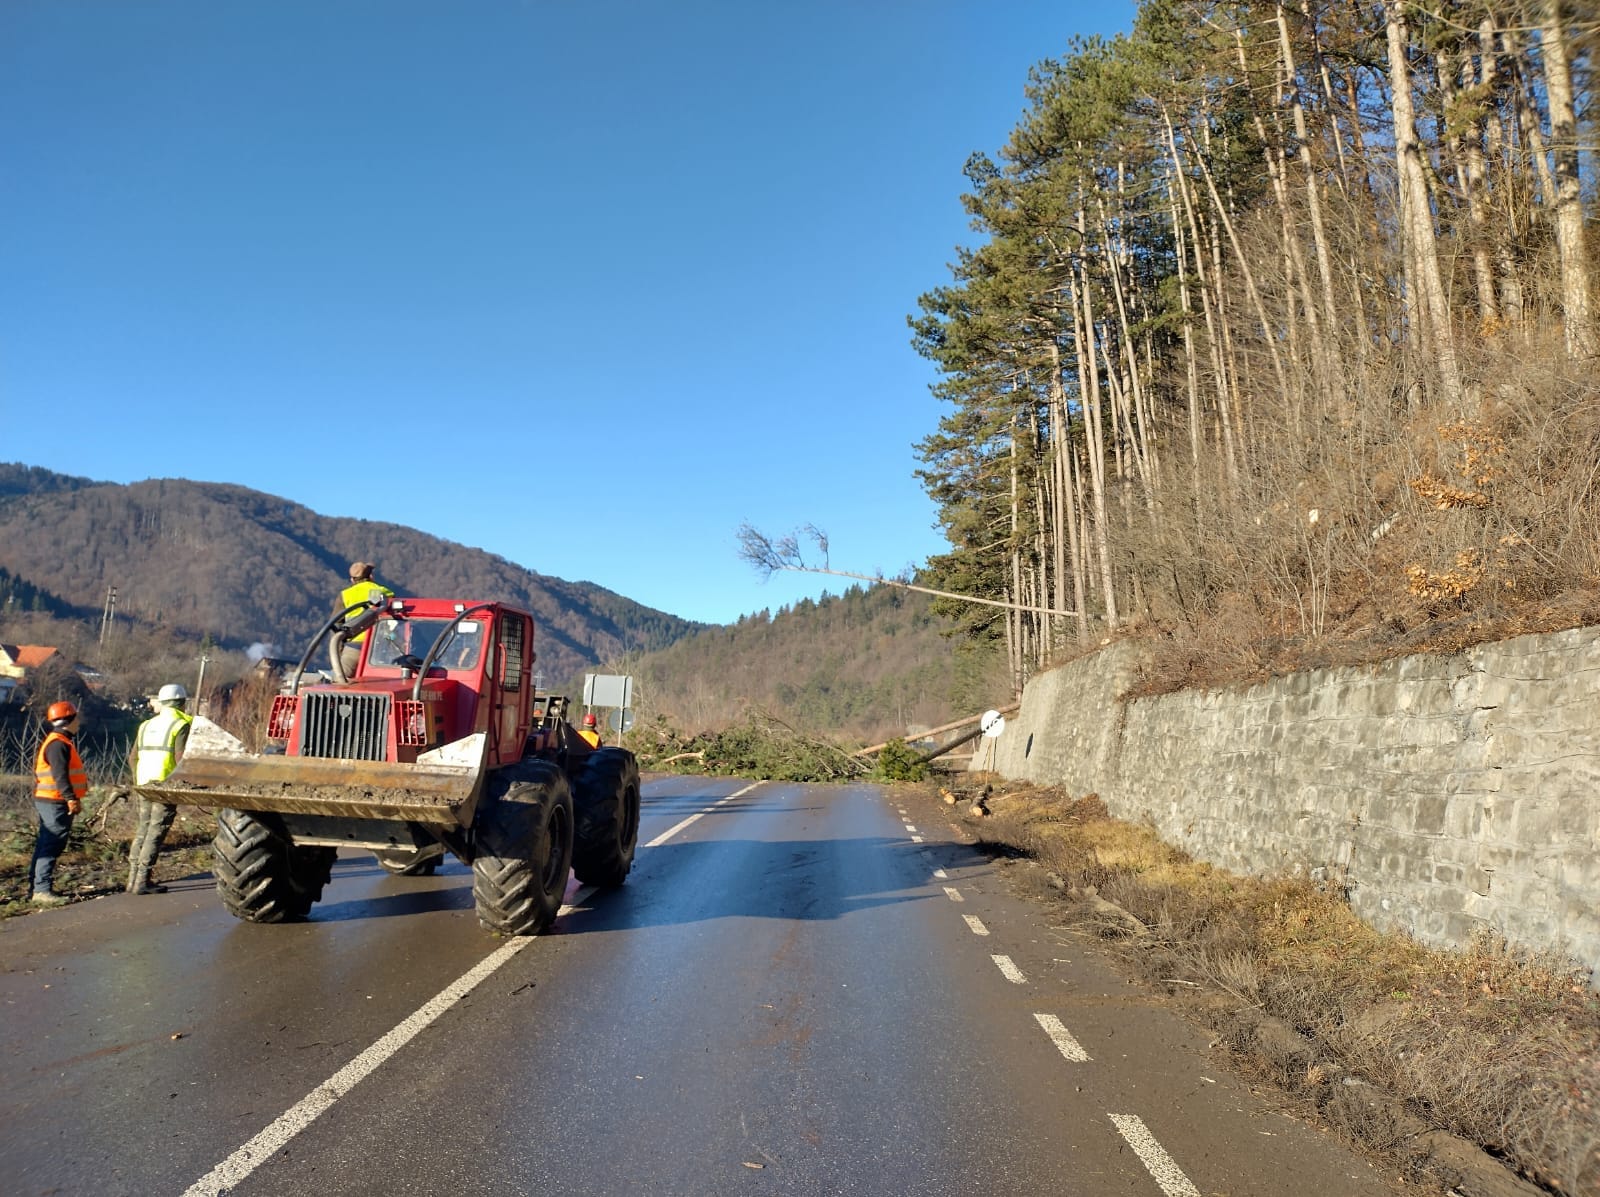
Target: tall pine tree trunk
(1417, 214)
(1575, 285)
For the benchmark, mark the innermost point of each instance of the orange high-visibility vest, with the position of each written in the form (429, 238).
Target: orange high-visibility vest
(44, 780)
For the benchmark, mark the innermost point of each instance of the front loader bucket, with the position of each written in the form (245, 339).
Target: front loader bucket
(217, 771)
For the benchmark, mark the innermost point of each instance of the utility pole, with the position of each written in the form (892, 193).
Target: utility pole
(108, 613)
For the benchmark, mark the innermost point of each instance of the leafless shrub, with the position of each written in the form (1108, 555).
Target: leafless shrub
(1373, 526)
(243, 708)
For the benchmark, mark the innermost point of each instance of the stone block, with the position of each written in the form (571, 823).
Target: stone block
(1535, 823)
(1471, 782)
(1494, 692)
(1445, 873)
(1459, 929)
(1578, 820)
(1464, 691)
(1463, 819)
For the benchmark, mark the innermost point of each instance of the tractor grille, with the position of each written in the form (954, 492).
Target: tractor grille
(343, 724)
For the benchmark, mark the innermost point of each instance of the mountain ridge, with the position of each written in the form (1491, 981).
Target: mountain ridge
(247, 567)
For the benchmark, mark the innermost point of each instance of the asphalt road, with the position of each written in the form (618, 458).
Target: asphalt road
(799, 991)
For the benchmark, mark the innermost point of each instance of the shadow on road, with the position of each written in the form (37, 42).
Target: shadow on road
(695, 881)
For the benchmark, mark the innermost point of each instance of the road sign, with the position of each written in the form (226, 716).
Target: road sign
(607, 690)
(992, 723)
(620, 720)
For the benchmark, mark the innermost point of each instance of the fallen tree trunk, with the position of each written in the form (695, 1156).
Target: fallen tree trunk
(1016, 706)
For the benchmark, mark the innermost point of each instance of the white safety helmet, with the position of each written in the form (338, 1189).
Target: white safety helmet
(172, 692)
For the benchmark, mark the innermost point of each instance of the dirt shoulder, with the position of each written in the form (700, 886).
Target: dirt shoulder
(1475, 1073)
(95, 862)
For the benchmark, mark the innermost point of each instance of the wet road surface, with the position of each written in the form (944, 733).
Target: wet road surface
(798, 991)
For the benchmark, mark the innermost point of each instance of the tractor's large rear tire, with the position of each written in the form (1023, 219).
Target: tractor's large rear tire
(607, 806)
(262, 875)
(523, 834)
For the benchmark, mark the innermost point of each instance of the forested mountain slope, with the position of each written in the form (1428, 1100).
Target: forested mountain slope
(247, 567)
(863, 666)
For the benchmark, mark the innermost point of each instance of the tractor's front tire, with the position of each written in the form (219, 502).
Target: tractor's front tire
(607, 806)
(262, 875)
(523, 836)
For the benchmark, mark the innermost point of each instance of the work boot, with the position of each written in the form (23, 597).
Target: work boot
(143, 885)
(47, 898)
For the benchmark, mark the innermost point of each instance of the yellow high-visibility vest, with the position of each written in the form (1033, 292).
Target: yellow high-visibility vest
(157, 745)
(361, 592)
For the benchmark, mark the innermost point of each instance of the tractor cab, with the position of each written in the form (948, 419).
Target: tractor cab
(432, 672)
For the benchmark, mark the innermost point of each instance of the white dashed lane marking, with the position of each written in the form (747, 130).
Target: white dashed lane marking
(1062, 1038)
(1009, 970)
(1152, 1155)
(1155, 1159)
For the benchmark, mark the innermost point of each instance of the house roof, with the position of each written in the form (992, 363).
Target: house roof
(31, 656)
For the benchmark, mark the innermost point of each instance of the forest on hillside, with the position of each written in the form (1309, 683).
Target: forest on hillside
(866, 665)
(1277, 343)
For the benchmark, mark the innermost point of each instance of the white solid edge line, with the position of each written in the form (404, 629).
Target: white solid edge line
(975, 924)
(1154, 1157)
(1009, 970)
(238, 1166)
(1062, 1038)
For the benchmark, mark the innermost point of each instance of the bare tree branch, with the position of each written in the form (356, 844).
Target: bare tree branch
(769, 556)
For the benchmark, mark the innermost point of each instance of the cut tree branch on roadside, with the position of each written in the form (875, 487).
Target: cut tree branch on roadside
(769, 556)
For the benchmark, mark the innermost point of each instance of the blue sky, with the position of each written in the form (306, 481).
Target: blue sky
(640, 267)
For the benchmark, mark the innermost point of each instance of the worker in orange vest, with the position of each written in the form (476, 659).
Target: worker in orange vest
(60, 784)
(590, 731)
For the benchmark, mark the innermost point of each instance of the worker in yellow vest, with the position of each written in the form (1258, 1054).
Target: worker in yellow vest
(362, 589)
(60, 784)
(590, 731)
(157, 748)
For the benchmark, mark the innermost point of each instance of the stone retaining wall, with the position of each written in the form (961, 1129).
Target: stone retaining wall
(1451, 793)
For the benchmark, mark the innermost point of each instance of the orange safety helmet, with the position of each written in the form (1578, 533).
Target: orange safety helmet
(589, 720)
(60, 711)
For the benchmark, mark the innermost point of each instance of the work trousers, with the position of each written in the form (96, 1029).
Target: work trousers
(55, 825)
(155, 819)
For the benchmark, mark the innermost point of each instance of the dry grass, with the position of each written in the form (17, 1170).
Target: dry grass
(1492, 1045)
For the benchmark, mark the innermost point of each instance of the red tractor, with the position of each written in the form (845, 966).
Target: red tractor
(438, 743)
